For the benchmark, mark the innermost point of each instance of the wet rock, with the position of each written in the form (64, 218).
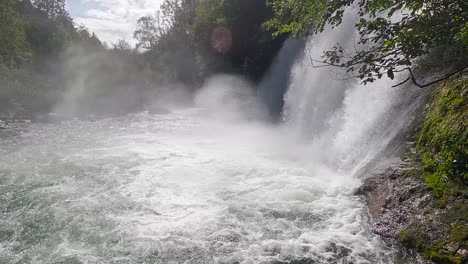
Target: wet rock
(463, 252)
(403, 208)
(394, 200)
(452, 247)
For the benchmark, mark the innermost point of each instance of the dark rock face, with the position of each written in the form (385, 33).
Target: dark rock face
(401, 207)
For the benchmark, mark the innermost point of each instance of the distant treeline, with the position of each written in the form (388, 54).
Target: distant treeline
(46, 59)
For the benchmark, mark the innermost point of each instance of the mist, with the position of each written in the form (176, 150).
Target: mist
(115, 82)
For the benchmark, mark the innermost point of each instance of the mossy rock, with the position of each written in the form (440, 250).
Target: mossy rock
(443, 251)
(443, 139)
(443, 147)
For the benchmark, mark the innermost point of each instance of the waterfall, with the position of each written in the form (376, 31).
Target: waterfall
(273, 87)
(345, 123)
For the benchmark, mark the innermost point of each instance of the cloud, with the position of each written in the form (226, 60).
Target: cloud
(111, 20)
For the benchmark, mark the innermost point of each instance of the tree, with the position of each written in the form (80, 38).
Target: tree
(394, 35)
(123, 45)
(53, 8)
(149, 31)
(175, 17)
(252, 46)
(179, 14)
(14, 48)
(165, 41)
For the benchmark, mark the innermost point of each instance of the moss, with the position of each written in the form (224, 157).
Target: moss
(459, 234)
(458, 212)
(416, 236)
(441, 202)
(437, 257)
(443, 147)
(411, 173)
(443, 139)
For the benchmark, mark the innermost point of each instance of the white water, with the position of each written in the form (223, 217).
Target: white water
(174, 188)
(205, 185)
(346, 125)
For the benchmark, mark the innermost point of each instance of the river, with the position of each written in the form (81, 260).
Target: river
(176, 188)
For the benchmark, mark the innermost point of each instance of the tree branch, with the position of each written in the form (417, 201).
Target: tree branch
(403, 82)
(445, 77)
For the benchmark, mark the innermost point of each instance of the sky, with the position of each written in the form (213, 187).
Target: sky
(111, 20)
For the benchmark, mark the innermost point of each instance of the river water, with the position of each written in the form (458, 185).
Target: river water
(176, 188)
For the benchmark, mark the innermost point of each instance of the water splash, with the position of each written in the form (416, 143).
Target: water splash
(346, 124)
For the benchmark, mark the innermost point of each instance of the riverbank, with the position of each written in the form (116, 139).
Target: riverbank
(422, 201)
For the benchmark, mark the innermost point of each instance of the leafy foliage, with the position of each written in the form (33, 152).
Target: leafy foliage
(54, 9)
(299, 17)
(165, 39)
(23, 92)
(149, 30)
(14, 48)
(393, 34)
(34, 36)
(184, 29)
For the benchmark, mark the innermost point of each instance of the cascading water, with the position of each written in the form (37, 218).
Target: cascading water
(345, 123)
(274, 85)
(206, 185)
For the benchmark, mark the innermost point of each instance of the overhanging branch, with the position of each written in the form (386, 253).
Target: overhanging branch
(445, 77)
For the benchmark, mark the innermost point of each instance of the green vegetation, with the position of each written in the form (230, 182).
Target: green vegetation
(23, 91)
(13, 49)
(191, 25)
(33, 37)
(442, 235)
(439, 245)
(393, 36)
(45, 58)
(443, 141)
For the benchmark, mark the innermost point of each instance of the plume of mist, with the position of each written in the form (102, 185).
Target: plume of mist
(114, 82)
(229, 97)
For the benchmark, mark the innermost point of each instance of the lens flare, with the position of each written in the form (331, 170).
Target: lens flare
(221, 39)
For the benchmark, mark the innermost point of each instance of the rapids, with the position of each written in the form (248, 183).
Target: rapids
(175, 188)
